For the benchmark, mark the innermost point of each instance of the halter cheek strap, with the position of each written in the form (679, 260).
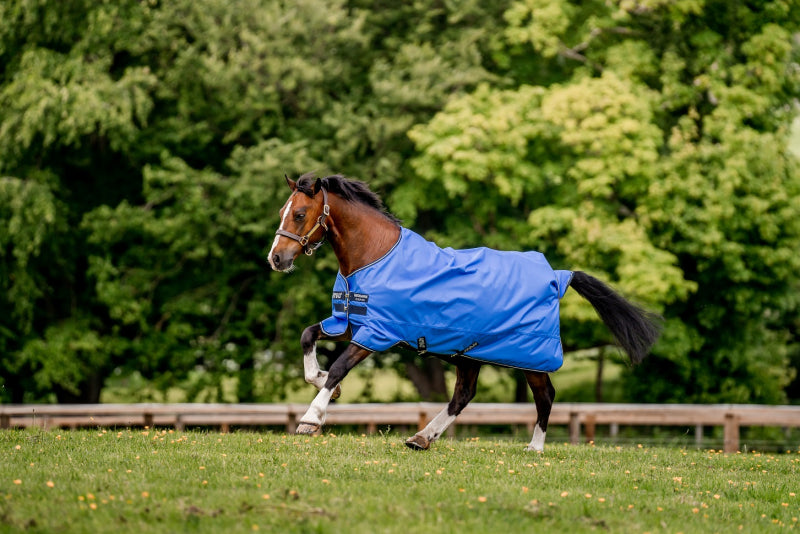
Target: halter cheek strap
(304, 240)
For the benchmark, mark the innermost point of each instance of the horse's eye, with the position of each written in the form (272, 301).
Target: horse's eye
(299, 217)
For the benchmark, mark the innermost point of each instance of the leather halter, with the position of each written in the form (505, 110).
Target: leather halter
(309, 249)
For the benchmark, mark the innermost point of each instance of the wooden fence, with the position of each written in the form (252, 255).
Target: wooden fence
(581, 418)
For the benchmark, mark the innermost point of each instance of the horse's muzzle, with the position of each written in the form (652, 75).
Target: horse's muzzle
(281, 262)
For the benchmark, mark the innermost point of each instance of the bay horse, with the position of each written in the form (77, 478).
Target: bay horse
(468, 307)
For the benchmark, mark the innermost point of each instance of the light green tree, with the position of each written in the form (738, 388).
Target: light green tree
(658, 159)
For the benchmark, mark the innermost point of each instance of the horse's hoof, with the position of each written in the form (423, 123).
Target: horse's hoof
(418, 443)
(308, 429)
(531, 449)
(336, 392)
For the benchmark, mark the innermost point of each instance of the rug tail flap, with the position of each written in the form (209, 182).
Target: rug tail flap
(563, 278)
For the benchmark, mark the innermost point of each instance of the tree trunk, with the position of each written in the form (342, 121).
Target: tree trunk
(427, 375)
(89, 392)
(598, 385)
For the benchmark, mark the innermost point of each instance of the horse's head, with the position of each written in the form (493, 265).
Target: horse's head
(303, 225)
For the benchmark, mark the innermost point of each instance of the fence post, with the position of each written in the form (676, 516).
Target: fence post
(589, 425)
(731, 433)
(5, 421)
(613, 430)
(574, 428)
(423, 419)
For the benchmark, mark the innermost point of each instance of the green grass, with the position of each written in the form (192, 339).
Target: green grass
(162, 481)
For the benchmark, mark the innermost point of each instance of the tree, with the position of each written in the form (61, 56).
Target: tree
(142, 148)
(161, 133)
(67, 118)
(658, 159)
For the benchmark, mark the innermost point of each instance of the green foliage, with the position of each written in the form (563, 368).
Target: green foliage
(71, 360)
(142, 148)
(659, 162)
(569, 162)
(30, 217)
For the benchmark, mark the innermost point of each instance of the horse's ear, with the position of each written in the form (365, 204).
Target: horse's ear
(317, 185)
(292, 184)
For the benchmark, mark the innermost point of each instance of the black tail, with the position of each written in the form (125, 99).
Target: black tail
(634, 328)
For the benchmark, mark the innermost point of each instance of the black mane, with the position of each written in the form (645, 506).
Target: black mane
(347, 189)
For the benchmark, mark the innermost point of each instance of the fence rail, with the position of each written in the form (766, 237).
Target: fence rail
(581, 418)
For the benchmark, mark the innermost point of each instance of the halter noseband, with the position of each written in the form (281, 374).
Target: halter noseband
(309, 249)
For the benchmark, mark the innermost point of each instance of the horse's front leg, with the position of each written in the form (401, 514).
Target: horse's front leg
(314, 417)
(312, 372)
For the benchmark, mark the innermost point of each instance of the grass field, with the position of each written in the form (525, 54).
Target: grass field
(163, 481)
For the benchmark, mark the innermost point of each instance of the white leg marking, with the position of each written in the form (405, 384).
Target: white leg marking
(277, 237)
(537, 443)
(315, 414)
(437, 426)
(313, 374)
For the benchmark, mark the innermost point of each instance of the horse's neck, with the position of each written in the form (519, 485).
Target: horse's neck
(361, 236)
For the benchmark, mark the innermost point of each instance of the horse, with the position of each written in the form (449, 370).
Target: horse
(496, 307)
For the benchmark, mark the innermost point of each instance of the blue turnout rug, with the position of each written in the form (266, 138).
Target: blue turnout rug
(492, 306)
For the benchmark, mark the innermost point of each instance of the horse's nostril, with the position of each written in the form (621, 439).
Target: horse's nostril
(276, 259)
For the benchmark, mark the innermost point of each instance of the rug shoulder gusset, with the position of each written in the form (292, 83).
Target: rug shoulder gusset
(334, 326)
(338, 323)
(363, 335)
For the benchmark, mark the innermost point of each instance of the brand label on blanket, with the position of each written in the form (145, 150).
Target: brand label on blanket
(355, 297)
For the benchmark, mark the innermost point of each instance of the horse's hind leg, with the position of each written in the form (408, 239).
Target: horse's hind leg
(543, 395)
(464, 391)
